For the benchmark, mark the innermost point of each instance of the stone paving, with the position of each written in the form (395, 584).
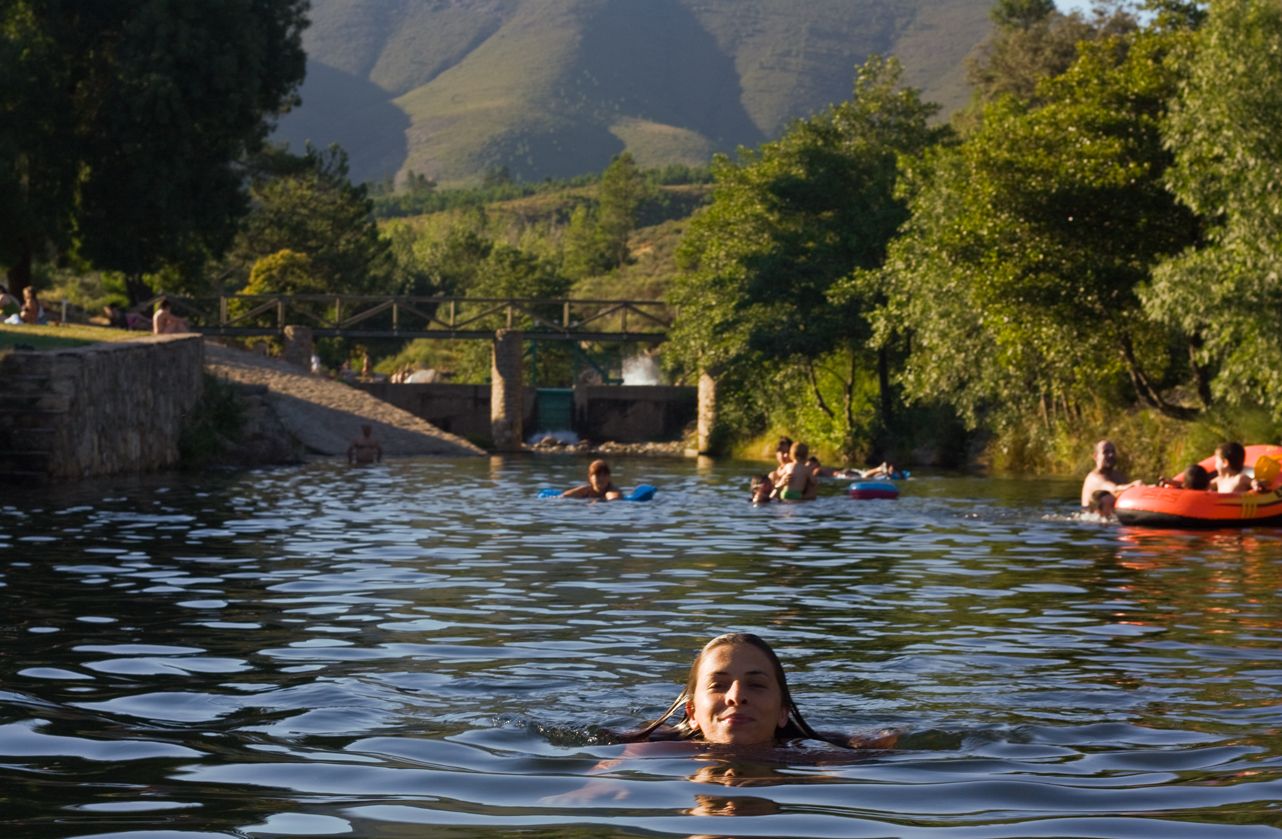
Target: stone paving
(324, 414)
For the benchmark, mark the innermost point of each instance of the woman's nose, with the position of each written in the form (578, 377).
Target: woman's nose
(735, 694)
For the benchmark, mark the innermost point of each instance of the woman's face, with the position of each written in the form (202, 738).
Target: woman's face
(737, 698)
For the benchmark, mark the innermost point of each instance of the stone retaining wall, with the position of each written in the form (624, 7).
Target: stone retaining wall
(97, 410)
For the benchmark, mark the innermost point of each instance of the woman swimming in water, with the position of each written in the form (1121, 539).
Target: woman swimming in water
(737, 694)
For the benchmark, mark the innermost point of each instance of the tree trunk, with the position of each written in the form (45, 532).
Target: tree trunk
(1201, 375)
(137, 289)
(883, 386)
(1144, 386)
(19, 273)
(814, 384)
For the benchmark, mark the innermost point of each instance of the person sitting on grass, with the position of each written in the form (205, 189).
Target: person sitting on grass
(598, 486)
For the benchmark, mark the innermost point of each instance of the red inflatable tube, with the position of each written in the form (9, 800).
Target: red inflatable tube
(1171, 507)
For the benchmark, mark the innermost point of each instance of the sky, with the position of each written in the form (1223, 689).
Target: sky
(1083, 6)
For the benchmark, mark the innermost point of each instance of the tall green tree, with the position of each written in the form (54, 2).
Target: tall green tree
(787, 222)
(1223, 131)
(308, 205)
(128, 122)
(1017, 277)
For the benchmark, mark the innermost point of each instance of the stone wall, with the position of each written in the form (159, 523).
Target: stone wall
(97, 410)
(459, 409)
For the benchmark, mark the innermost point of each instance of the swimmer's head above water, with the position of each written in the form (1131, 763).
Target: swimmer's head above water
(736, 694)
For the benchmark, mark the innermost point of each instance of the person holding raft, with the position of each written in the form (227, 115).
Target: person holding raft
(598, 486)
(1105, 482)
(736, 694)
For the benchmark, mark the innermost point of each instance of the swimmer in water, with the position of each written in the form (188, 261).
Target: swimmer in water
(736, 694)
(598, 486)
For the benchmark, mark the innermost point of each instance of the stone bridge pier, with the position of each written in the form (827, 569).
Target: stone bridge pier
(506, 393)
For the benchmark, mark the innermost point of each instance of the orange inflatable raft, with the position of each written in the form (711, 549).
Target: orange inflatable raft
(1171, 507)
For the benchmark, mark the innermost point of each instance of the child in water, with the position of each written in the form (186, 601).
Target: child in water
(737, 694)
(796, 480)
(598, 486)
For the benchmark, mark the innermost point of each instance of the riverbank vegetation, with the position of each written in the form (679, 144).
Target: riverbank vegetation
(1091, 248)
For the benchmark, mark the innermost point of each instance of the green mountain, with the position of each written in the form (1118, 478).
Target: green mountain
(555, 88)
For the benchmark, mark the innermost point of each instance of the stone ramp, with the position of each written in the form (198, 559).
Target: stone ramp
(325, 415)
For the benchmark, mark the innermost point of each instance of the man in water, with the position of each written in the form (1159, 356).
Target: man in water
(1105, 482)
(365, 449)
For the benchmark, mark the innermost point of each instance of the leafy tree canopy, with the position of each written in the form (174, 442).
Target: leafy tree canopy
(1222, 130)
(307, 205)
(786, 223)
(125, 122)
(1018, 273)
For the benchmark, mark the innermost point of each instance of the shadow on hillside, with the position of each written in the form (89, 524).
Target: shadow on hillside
(656, 61)
(357, 114)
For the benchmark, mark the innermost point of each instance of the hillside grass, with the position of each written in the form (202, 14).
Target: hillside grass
(555, 88)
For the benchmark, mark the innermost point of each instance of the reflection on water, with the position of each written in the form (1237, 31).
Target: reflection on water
(422, 647)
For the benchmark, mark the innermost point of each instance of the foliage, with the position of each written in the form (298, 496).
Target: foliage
(212, 425)
(1227, 290)
(1031, 42)
(125, 123)
(306, 205)
(787, 223)
(283, 272)
(1017, 276)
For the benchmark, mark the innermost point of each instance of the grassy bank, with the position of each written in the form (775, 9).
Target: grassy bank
(1149, 444)
(55, 336)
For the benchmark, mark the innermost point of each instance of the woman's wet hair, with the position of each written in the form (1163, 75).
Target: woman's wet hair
(795, 728)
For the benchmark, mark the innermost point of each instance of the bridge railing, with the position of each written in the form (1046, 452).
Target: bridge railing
(406, 316)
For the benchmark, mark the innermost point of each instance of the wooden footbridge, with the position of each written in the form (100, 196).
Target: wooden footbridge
(381, 316)
(506, 322)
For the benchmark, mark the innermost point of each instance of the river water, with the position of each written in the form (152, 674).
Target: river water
(421, 648)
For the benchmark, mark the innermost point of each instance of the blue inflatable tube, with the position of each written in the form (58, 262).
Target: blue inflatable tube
(643, 492)
(873, 489)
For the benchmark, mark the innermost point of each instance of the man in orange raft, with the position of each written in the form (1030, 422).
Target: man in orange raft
(1105, 482)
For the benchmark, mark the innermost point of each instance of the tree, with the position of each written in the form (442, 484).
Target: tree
(1017, 276)
(622, 191)
(788, 222)
(130, 120)
(1030, 42)
(307, 204)
(1222, 130)
(284, 272)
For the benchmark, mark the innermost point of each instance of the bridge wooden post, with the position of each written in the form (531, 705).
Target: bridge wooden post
(506, 404)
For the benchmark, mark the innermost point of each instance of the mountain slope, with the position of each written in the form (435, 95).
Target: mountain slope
(553, 88)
